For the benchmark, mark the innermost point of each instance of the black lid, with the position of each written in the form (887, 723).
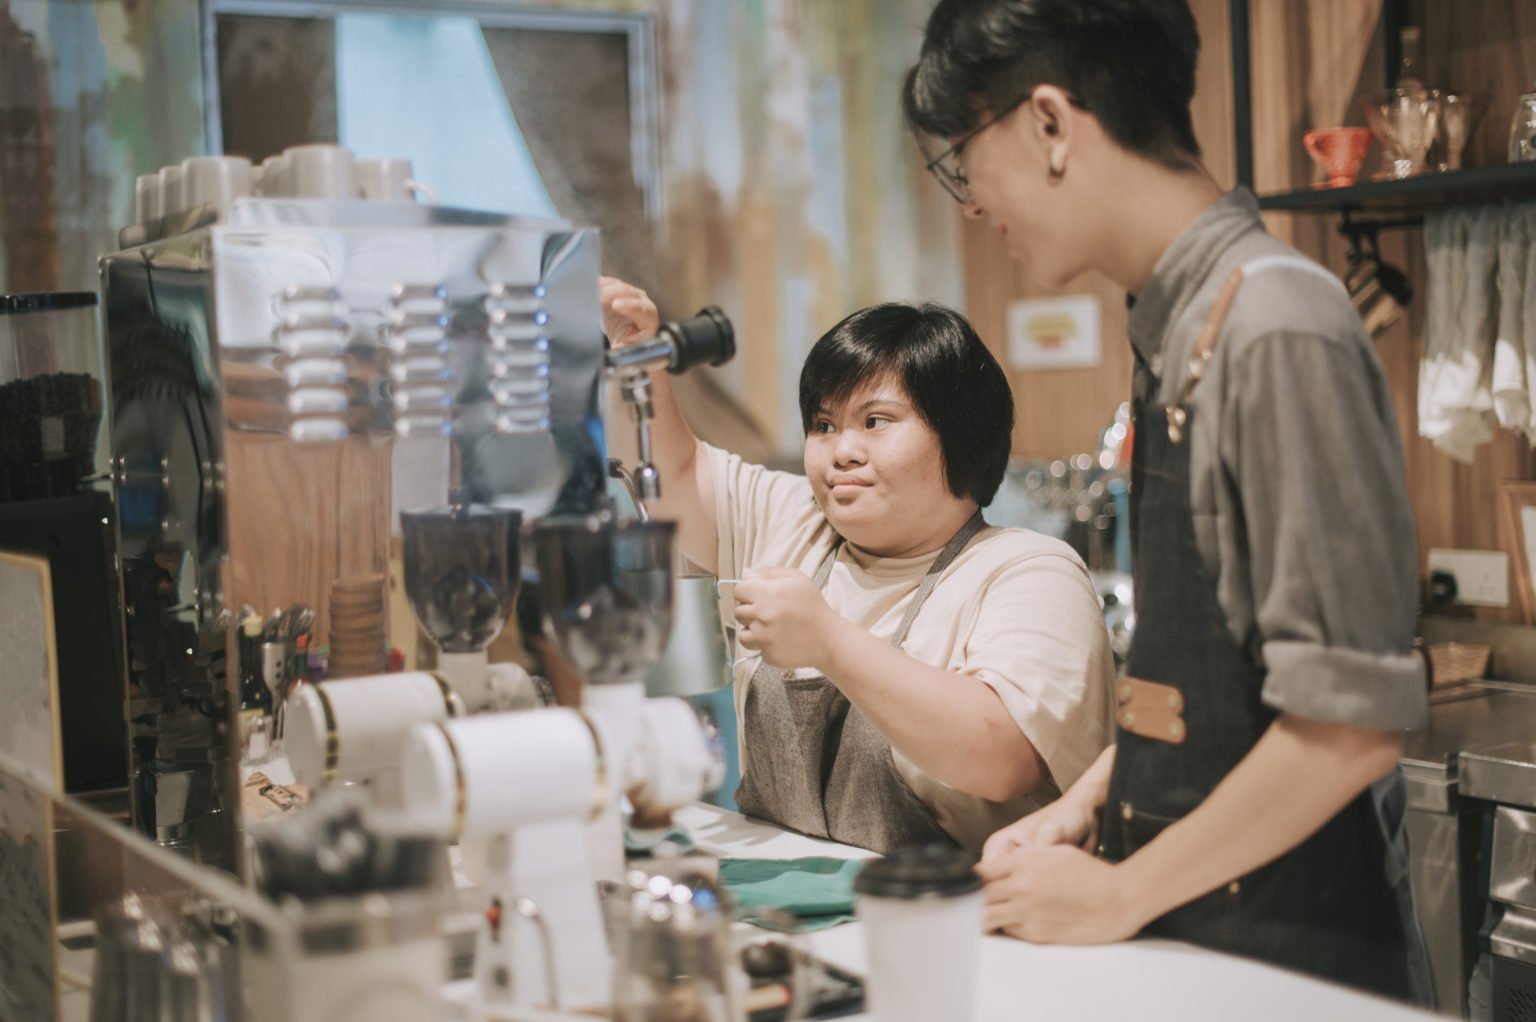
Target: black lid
(921, 871)
(46, 301)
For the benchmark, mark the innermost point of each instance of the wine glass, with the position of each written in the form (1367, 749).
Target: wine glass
(1407, 119)
(1457, 112)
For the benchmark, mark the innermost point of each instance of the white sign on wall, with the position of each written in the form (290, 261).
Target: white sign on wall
(1054, 333)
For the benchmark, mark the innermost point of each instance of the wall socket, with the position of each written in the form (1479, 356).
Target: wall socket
(1482, 576)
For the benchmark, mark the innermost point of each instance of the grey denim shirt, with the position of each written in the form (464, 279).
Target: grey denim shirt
(1301, 511)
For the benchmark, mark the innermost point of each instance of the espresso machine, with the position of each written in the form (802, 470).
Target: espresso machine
(301, 392)
(343, 404)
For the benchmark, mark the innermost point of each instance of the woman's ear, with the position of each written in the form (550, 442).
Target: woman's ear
(1055, 127)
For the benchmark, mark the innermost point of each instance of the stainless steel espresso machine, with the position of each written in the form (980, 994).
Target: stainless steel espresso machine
(287, 382)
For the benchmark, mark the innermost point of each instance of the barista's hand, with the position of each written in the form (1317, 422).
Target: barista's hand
(1057, 895)
(629, 315)
(781, 613)
(1069, 820)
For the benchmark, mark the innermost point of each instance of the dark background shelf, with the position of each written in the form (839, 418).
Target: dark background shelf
(1427, 191)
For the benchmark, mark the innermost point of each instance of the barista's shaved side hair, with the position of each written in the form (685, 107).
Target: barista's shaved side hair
(947, 373)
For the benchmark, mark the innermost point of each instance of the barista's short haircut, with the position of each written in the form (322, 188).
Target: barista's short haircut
(948, 374)
(1130, 63)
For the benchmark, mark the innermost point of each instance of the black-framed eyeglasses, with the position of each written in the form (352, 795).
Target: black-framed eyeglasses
(947, 168)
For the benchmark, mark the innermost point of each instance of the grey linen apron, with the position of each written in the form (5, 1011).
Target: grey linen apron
(813, 763)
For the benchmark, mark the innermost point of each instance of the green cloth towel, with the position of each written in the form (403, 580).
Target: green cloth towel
(817, 889)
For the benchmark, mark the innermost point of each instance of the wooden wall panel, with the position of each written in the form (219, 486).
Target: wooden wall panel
(1484, 46)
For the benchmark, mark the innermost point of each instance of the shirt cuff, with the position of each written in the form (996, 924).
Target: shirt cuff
(1347, 686)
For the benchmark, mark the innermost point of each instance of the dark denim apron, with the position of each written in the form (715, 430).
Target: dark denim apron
(1336, 906)
(813, 763)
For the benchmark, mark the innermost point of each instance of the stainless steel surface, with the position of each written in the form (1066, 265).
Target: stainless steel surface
(1466, 717)
(1444, 829)
(1515, 936)
(1501, 772)
(1512, 865)
(1441, 850)
(464, 350)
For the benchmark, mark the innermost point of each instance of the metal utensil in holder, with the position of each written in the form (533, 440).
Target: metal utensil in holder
(705, 339)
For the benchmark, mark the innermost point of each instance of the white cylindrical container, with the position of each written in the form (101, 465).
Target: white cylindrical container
(355, 728)
(921, 909)
(215, 181)
(171, 197)
(489, 774)
(146, 198)
(319, 172)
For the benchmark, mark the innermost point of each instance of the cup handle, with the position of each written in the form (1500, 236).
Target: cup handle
(416, 190)
(728, 626)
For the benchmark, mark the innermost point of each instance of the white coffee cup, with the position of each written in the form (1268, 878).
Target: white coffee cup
(921, 909)
(319, 172)
(270, 179)
(146, 198)
(390, 179)
(215, 181)
(171, 197)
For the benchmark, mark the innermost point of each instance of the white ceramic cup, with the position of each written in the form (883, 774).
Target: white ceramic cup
(146, 198)
(171, 192)
(922, 910)
(319, 172)
(270, 179)
(390, 179)
(215, 181)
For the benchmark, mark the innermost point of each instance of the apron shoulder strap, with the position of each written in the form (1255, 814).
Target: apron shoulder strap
(946, 557)
(1210, 330)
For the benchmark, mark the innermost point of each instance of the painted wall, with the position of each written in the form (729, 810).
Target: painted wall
(793, 193)
(92, 93)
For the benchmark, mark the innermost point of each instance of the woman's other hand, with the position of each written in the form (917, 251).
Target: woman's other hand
(629, 315)
(1067, 821)
(781, 614)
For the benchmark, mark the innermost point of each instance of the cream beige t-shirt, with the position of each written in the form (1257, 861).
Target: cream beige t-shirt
(1015, 609)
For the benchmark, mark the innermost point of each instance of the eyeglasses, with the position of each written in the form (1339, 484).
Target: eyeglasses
(947, 168)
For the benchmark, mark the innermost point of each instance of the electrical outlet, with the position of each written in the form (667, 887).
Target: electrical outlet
(1482, 576)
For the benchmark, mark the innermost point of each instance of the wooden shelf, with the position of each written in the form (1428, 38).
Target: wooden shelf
(1421, 193)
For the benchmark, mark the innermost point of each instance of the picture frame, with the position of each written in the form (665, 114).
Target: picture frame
(1520, 520)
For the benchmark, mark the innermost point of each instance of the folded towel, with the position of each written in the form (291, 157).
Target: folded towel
(1514, 373)
(1455, 392)
(818, 889)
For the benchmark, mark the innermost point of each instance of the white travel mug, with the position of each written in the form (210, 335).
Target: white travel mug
(921, 909)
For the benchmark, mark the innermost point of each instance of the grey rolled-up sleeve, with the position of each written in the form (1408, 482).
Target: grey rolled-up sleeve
(1310, 444)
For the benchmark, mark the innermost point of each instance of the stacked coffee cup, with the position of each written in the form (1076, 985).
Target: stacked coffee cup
(358, 635)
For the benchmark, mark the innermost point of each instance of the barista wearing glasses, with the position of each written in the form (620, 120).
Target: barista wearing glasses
(1250, 802)
(922, 676)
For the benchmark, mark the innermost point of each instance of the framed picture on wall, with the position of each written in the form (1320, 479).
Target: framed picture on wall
(1520, 518)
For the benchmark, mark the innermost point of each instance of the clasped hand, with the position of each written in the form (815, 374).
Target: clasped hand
(1044, 886)
(781, 614)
